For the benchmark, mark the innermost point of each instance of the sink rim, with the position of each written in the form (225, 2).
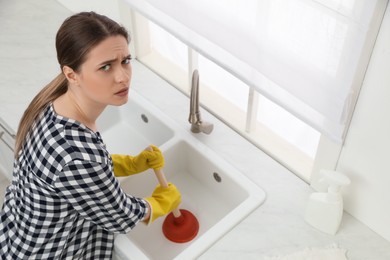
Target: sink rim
(256, 196)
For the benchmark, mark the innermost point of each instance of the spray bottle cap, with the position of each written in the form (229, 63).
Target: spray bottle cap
(335, 180)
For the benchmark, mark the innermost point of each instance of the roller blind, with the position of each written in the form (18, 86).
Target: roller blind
(307, 56)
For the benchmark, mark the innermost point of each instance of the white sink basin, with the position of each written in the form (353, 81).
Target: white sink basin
(130, 128)
(212, 189)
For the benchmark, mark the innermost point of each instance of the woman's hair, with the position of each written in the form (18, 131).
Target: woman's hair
(75, 38)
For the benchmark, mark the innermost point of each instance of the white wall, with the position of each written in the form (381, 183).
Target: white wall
(105, 7)
(365, 157)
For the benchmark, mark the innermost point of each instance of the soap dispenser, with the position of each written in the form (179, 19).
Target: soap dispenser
(324, 210)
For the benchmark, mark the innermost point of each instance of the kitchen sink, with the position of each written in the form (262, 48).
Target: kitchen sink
(217, 193)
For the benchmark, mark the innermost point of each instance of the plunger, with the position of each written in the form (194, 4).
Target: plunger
(180, 226)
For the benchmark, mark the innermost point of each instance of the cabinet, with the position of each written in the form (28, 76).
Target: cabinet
(7, 143)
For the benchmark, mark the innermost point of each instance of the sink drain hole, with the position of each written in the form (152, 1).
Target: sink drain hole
(144, 118)
(217, 177)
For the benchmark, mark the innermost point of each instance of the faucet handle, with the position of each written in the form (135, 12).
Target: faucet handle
(207, 127)
(202, 127)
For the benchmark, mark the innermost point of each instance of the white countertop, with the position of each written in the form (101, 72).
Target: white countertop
(27, 62)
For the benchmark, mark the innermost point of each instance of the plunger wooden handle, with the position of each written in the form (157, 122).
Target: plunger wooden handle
(164, 183)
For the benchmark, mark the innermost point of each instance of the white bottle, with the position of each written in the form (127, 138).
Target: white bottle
(324, 210)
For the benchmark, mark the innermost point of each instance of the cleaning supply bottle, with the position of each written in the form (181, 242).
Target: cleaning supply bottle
(324, 210)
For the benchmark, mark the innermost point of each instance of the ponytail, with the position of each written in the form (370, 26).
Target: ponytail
(57, 87)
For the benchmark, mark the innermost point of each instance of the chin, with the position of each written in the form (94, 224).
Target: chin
(120, 102)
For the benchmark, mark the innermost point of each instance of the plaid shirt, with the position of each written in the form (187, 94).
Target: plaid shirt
(64, 201)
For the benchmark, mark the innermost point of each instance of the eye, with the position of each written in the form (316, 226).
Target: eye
(127, 60)
(105, 67)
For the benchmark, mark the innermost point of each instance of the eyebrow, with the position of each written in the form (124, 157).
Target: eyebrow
(113, 60)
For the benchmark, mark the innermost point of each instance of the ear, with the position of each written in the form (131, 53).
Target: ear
(70, 75)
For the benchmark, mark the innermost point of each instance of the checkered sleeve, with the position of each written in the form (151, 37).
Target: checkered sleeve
(93, 191)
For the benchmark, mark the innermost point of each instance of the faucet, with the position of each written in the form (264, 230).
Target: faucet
(197, 125)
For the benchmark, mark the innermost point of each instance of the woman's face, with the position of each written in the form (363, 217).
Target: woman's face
(104, 78)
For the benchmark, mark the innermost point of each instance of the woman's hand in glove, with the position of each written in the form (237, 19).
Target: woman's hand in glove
(163, 201)
(125, 165)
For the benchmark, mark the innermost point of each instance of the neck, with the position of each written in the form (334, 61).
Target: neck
(85, 112)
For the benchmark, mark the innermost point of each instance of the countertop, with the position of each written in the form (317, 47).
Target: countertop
(277, 227)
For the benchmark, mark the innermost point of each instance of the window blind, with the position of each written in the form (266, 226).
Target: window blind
(307, 56)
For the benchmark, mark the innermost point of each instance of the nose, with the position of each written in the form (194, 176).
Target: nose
(123, 74)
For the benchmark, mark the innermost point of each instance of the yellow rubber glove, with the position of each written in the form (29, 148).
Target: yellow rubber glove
(163, 201)
(125, 165)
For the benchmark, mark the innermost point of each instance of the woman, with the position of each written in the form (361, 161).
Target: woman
(64, 201)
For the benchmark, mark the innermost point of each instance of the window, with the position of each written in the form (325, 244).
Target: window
(168, 47)
(162, 53)
(264, 123)
(301, 63)
(223, 94)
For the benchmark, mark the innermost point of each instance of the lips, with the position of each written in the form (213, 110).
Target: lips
(122, 92)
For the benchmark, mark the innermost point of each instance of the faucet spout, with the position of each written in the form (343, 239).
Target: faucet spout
(197, 125)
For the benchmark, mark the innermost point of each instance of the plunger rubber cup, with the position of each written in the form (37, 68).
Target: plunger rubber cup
(181, 229)
(179, 226)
